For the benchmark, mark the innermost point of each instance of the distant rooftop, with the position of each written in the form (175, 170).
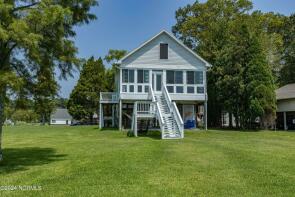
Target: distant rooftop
(286, 92)
(61, 114)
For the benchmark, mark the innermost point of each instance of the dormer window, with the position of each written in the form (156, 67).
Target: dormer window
(163, 51)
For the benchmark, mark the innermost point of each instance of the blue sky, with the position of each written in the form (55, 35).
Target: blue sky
(125, 24)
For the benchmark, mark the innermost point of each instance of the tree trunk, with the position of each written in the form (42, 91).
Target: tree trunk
(2, 96)
(43, 119)
(230, 120)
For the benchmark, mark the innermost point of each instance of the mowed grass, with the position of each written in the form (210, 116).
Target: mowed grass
(83, 161)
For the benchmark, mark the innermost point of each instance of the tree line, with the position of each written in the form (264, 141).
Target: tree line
(94, 78)
(36, 38)
(252, 54)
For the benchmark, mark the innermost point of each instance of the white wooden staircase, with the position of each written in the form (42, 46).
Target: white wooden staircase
(164, 110)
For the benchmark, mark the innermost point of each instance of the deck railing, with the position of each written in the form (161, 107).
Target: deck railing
(109, 97)
(145, 107)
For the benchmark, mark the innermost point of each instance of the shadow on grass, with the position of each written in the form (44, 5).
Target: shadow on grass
(108, 129)
(19, 159)
(150, 134)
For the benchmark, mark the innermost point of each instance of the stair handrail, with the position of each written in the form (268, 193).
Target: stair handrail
(158, 110)
(173, 108)
(178, 118)
(151, 93)
(166, 93)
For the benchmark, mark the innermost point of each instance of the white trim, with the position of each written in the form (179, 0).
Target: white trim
(175, 39)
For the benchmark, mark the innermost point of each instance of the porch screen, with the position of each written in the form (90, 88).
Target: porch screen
(174, 77)
(194, 77)
(142, 76)
(127, 76)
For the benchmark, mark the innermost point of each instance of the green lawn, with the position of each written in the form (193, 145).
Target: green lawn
(83, 161)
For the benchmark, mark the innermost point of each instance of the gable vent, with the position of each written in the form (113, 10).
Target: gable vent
(163, 51)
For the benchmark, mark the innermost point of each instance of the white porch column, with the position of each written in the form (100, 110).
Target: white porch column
(113, 115)
(164, 77)
(135, 119)
(120, 115)
(205, 114)
(151, 77)
(285, 121)
(206, 100)
(100, 116)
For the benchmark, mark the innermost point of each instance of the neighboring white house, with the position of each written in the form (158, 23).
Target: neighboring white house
(162, 81)
(286, 107)
(60, 117)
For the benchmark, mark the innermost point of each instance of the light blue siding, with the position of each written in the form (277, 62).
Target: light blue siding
(148, 56)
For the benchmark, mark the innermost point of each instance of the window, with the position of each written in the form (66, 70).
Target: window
(146, 76)
(163, 51)
(139, 88)
(170, 77)
(174, 77)
(179, 89)
(190, 78)
(131, 76)
(127, 76)
(178, 77)
(191, 90)
(146, 88)
(139, 76)
(142, 76)
(170, 89)
(53, 121)
(131, 88)
(199, 77)
(124, 88)
(194, 77)
(200, 90)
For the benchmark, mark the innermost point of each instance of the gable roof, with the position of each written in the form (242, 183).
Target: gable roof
(173, 38)
(61, 114)
(286, 92)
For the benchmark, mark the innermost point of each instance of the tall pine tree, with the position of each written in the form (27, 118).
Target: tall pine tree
(288, 70)
(84, 99)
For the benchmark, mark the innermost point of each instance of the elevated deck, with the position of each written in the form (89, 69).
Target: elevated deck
(109, 97)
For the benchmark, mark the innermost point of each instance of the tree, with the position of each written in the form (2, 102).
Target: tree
(27, 116)
(112, 58)
(45, 91)
(34, 32)
(84, 99)
(61, 102)
(257, 94)
(288, 70)
(206, 28)
(239, 47)
(271, 25)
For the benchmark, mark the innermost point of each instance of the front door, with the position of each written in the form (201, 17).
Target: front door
(157, 81)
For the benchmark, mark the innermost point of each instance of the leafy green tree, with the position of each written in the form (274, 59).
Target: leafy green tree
(288, 70)
(27, 116)
(271, 25)
(237, 44)
(112, 58)
(257, 98)
(45, 91)
(84, 99)
(206, 28)
(32, 33)
(61, 102)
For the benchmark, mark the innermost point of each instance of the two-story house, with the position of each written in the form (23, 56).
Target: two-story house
(161, 80)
